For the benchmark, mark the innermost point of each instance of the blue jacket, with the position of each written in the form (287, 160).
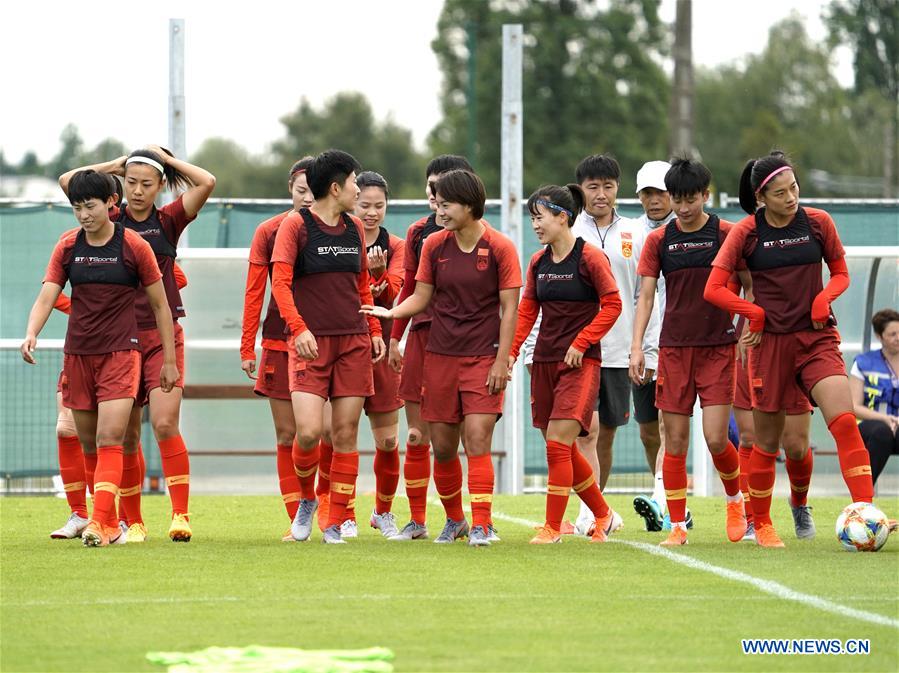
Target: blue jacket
(879, 389)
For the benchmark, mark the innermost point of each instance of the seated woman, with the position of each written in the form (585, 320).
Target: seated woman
(874, 383)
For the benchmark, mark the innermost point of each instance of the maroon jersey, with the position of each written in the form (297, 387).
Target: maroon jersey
(161, 230)
(103, 280)
(568, 293)
(415, 239)
(685, 259)
(465, 318)
(785, 263)
(261, 249)
(328, 264)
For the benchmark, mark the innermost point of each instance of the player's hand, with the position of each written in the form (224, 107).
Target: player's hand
(378, 349)
(306, 346)
(378, 290)
(647, 375)
(27, 349)
(118, 168)
(376, 311)
(893, 422)
(168, 377)
(377, 261)
(751, 339)
(498, 377)
(574, 358)
(394, 357)
(636, 367)
(818, 325)
(249, 366)
(158, 149)
(511, 362)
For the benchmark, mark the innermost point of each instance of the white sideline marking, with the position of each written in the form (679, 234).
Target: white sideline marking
(771, 587)
(129, 601)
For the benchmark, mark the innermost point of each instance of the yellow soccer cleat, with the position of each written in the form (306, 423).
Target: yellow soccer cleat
(180, 531)
(137, 532)
(547, 535)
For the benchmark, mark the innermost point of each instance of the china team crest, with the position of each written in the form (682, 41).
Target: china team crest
(627, 245)
(483, 256)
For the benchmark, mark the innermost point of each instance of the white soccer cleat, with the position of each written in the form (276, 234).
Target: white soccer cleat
(72, 528)
(386, 523)
(349, 529)
(583, 525)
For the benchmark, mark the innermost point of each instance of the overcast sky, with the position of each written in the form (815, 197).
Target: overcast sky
(104, 66)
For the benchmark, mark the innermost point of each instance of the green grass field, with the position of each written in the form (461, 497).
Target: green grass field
(510, 607)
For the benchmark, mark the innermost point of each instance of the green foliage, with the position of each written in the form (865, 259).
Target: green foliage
(871, 29)
(238, 174)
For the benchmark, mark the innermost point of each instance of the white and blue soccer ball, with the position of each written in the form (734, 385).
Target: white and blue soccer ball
(862, 527)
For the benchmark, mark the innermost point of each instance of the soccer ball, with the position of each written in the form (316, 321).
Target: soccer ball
(862, 527)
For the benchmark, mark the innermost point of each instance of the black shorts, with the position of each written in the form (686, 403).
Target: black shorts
(614, 401)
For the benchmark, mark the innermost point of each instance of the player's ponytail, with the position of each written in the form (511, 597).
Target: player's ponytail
(747, 193)
(756, 175)
(578, 199)
(175, 179)
(568, 199)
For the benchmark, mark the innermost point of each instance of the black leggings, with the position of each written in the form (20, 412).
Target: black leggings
(881, 442)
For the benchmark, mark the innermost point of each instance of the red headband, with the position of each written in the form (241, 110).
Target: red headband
(770, 176)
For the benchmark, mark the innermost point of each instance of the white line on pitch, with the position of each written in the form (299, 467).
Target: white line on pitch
(768, 586)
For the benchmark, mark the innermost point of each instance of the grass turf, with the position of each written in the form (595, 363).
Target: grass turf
(510, 607)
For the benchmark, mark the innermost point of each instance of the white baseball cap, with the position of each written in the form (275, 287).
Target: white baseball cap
(652, 174)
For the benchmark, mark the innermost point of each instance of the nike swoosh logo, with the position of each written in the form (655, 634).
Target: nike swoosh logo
(441, 261)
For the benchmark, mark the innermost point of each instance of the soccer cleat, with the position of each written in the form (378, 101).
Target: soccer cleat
(766, 536)
(349, 529)
(676, 538)
(478, 537)
(122, 537)
(666, 522)
(72, 528)
(603, 527)
(736, 521)
(492, 535)
(137, 532)
(180, 531)
(567, 528)
(386, 523)
(803, 521)
(584, 521)
(750, 532)
(547, 535)
(287, 537)
(324, 506)
(95, 535)
(650, 511)
(452, 531)
(688, 519)
(411, 531)
(331, 535)
(301, 526)
(893, 525)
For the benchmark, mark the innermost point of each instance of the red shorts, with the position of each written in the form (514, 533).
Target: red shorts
(785, 367)
(273, 379)
(742, 397)
(413, 365)
(151, 359)
(88, 380)
(59, 381)
(455, 386)
(560, 392)
(687, 371)
(342, 368)
(387, 383)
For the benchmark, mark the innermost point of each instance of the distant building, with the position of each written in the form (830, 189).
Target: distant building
(30, 187)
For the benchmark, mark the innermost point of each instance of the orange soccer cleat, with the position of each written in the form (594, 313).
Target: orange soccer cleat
(766, 536)
(324, 500)
(95, 535)
(677, 536)
(547, 535)
(736, 521)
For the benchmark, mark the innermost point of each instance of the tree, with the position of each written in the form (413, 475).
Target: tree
(71, 153)
(591, 83)
(239, 175)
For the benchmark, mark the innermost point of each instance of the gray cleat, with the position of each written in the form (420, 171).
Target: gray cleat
(803, 522)
(750, 532)
(301, 527)
(492, 535)
(411, 531)
(72, 528)
(478, 537)
(386, 523)
(452, 531)
(332, 535)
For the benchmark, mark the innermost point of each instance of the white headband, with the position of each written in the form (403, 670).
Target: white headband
(146, 160)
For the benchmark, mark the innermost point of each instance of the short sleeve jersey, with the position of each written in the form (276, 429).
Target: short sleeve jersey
(685, 261)
(466, 306)
(261, 250)
(161, 230)
(785, 264)
(568, 292)
(415, 239)
(104, 281)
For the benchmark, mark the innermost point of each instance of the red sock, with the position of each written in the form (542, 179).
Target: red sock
(800, 474)
(728, 465)
(325, 451)
(761, 485)
(90, 468)
(674, 476)
(855, 463)
(558, 483)
(287, 479)
(71, 469)
(448, 480)
(130, 489)
(305, 464)
(142, 463)
(745, 455)
(107, 478)
(584, 483)
(350, 514)
(176, 468)
(344, 470)
(480, 488)
(387, 476)
(417, 474)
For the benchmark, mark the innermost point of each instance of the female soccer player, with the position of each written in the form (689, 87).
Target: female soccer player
(272, 381)
(104, 262)
(572, 283)
(472, 274)
(320, 280)
(417, 464)
(146, 173)
(794, 344)
(696, 345)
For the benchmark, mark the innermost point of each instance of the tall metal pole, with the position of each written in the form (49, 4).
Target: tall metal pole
(177, 136)
(681, 139)
(511, 196)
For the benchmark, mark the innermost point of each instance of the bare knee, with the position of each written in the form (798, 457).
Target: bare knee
(65, 426)
(110, 437)
(795, 445)
(166, 427)
(388, 443)
(344, 435)
(132, 438)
